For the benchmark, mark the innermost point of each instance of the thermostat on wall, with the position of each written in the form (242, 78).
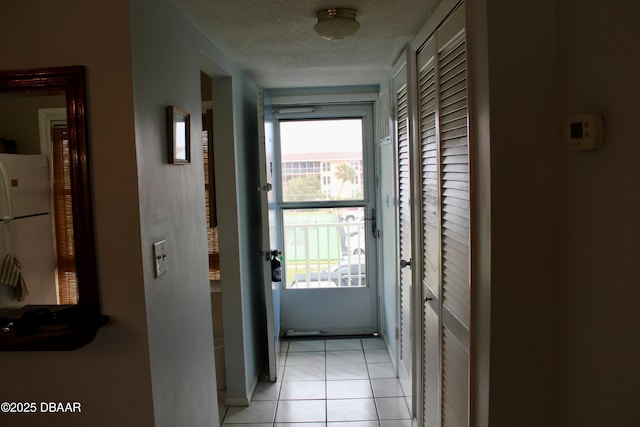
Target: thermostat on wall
(585, 132)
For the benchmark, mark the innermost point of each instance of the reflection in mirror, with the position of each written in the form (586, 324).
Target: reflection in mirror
(36, 221)
(47, 252)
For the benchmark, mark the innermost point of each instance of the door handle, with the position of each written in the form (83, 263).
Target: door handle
(374, 224)
(404, 263)
(268, 255)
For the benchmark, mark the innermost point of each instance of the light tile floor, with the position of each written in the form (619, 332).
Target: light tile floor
(327, 383)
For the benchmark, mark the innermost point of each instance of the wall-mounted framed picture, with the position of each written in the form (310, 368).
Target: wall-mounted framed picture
(179, 137)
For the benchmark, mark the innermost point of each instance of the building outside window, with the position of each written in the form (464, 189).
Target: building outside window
(322, 176)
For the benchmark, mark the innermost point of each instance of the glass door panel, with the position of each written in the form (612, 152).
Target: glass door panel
(321, 160)
(323, 249)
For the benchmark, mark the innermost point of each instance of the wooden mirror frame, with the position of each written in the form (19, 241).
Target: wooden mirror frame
(71, 80)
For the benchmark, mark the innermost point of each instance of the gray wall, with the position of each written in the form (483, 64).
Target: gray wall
(556, 231)
(235, 119)
(599, 342)
(518, 110)
(253, 313)
(168, 54)
(166, 71)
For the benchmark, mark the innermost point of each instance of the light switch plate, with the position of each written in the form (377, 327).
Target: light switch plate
(160, 257)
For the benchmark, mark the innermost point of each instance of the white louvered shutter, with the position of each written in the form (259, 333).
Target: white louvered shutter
(454, 143)
(443, 107)
(427, 93)
(404, 215)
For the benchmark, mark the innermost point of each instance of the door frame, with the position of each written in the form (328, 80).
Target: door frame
(293, 300)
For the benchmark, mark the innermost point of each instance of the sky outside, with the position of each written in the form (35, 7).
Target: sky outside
(321, 136)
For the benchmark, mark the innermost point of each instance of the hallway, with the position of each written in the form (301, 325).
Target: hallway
(327, 383)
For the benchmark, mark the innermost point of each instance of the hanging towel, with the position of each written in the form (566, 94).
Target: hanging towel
(11, 275)
(10, 270)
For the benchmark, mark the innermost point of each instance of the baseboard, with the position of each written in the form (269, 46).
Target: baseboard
(392, 357)
(245, 400)
(236, 401)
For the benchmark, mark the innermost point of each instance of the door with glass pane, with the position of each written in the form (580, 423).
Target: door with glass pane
(271, 242)
(325, 163)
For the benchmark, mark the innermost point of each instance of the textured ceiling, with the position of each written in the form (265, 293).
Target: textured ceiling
(274, 40)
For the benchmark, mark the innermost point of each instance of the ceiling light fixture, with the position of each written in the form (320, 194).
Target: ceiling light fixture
(337, 23)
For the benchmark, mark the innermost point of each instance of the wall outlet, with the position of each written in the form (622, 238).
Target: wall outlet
(160, 257)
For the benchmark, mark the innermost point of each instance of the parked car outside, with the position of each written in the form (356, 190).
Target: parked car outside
(350, 271)
(355, 241)
(350, 214)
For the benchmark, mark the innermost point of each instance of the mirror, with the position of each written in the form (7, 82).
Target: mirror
(45, 204)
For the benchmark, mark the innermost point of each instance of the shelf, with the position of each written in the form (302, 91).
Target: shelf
(48, 328)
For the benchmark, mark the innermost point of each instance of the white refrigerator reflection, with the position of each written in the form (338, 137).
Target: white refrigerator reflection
(26, 228)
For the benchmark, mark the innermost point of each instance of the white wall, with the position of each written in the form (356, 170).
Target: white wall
(110, 376)
(599, 345)
(387, 219)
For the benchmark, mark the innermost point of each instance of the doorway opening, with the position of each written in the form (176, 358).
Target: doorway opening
(211, 225)
(324, 172)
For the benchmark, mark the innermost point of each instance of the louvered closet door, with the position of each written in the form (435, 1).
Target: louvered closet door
(454, 157)
(442, 76)
(404, 217)
(430, 233)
